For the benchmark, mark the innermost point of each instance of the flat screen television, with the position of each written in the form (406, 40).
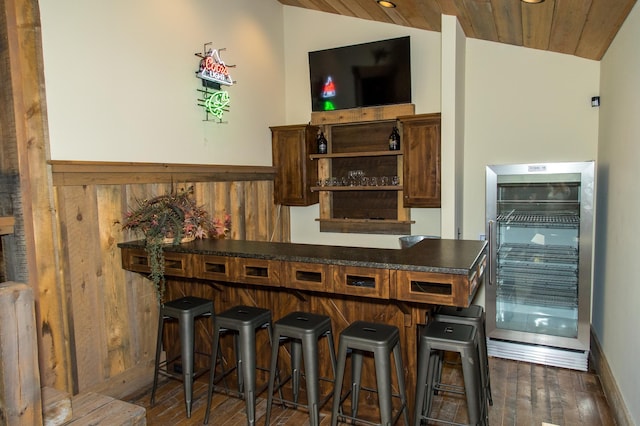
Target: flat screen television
(361, 75)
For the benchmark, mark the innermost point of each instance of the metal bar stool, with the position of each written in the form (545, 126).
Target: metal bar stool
(245, 321)
(185, 310)
(303, 330)
(380, 339)
(448, 336)
(473, 315)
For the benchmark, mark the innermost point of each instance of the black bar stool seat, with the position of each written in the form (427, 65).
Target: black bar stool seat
(381, 340)
(184, 310)
(454, 337)
(245, 322)
(303, 330)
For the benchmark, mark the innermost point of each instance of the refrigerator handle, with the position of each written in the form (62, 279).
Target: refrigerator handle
(490, 258)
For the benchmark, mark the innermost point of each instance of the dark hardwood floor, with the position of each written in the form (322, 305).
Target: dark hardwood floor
(523, 394)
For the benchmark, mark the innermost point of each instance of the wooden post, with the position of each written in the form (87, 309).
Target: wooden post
(20, 397)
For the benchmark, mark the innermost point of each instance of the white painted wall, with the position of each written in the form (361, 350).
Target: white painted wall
(454, 44)
(616, 297)
(121, 85)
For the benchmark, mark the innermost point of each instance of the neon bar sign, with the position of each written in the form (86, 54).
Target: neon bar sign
(213, 72)
(217, 104)
(212, 68)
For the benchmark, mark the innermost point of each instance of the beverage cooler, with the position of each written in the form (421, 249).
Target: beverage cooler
(540, 220)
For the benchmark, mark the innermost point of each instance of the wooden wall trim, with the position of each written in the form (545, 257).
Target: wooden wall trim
(608, 381)
(68, 173)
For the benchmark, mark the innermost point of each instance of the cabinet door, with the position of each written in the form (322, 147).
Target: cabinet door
(421, 144)
(296, 173)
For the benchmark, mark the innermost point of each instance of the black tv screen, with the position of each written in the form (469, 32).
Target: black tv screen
(361, 75)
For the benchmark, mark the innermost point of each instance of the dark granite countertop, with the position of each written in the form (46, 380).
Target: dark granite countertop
(430, 255)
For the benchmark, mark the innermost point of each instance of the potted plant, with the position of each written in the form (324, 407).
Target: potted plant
(170, 219)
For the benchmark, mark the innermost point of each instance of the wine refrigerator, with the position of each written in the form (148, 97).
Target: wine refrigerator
(540, 225)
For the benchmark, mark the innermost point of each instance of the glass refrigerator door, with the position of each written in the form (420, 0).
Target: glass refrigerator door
(537, 242)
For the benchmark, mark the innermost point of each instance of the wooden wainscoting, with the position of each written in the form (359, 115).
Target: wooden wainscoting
(111, 313)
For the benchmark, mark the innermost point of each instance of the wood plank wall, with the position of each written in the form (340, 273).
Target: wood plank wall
(112, 313)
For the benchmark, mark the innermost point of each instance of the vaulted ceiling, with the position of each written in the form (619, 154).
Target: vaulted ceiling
(583, 28)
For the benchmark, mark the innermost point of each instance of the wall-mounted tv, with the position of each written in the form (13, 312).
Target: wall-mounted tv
(361, 75)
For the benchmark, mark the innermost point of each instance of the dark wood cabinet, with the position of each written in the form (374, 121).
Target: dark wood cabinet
(420, 141)
(296, 173)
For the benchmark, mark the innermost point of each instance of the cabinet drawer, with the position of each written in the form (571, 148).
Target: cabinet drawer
(437, 289)
(257, 271)
(175, 264)
(366, 282)
(307, 276)
(213, 267)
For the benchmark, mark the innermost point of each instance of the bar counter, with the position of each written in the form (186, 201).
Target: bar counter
(433, 271)
(392, 286)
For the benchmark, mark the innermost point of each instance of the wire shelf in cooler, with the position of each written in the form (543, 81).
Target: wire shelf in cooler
(538, 254)
(536, 219)
(538, 275)
(545, 300)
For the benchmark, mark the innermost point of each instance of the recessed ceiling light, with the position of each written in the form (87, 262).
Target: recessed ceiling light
(532, 1)
(385, 3)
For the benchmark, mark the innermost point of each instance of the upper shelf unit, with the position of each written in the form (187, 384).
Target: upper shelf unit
(358, 141)
(360, 180)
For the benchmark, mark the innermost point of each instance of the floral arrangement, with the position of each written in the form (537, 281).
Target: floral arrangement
(171, 219)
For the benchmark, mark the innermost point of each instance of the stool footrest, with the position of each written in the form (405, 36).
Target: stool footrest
(444, 387)
(356, 420)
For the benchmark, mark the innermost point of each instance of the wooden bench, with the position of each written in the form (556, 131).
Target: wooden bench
(89, 408)
(95, 409)
(22, 400)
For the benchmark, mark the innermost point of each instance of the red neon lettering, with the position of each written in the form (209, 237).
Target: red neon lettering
(214, 67)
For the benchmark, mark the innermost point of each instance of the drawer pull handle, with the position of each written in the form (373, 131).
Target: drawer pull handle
(219, 268)
(256, 271)
(431, 288)
(355, 281)
(315, 277)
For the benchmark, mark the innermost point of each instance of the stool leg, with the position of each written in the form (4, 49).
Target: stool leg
(383, 381)
(337, 389)
(272, 375)
(421, 380)
(309, 350)
(332, 353)
(238, 352)
(433, 374)
(157, 363)
(187, 345)
(397, 357)
(247, 369)
(212, 368)
(485, 360)
(296, 348)
(472, 383)
(356, 377)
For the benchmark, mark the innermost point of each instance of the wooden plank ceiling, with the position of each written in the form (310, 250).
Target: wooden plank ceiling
(583, 28)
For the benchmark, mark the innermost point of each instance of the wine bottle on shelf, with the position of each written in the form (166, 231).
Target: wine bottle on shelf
(322, 143)
(394, 140)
